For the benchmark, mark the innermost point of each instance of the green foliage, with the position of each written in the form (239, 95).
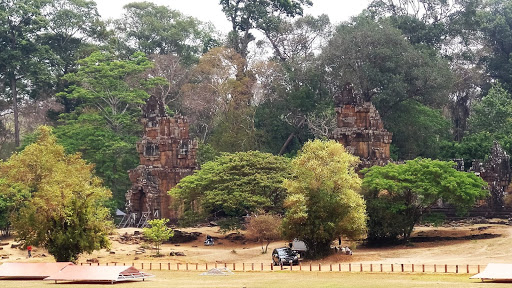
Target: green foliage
(25, 62)
(113, 154)
(493, 114)
(322, 201)
(406, 83)
(158, 232)
(490, 121)
(154, 29)
(264, 15)
(398, 195)
(205, 153)
(103, 82)
(106, 125)
(494, 20)
(64, 198)
(417, 130)
(435, 219)
(234, 185)
(472, 147)
(384, 67)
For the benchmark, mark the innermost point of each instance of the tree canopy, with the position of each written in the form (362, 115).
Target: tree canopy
(234, 185)
(398, 195)
(322, 197)
(157, 233)
(58, 201)
(154, 29)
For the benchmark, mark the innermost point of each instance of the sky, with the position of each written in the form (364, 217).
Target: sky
(210, 11)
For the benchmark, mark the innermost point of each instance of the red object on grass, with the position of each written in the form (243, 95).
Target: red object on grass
(31, 270)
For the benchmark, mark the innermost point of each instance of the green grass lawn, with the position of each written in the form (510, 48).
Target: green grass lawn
(281, 279)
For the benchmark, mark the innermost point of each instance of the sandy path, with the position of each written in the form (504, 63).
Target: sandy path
(472, 252)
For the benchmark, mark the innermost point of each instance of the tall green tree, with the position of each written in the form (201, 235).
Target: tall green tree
(393, 74)
(293, 95)
(322, 200)
(490, 121)
(75, 30)
(155, 29)
(384, 67)
(262, 15)
(64, 212)
(112, 154)
(106, 125)
(493, 113)
(495, 25)
(452, 28)
(103, 82)
(234, 185)
(409, 118)
(398, 195)
(24, 60)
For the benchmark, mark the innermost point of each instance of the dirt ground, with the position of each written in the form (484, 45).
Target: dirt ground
(465, 247)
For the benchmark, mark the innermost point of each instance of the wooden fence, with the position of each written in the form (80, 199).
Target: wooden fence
(307, 267)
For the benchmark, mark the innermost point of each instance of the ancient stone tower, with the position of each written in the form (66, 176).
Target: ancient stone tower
(167, 154)
(360, 129)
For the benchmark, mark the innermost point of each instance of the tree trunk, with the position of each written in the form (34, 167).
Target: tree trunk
(14, 92)
(290, 138)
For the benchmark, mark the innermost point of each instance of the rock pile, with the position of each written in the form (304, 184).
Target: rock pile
(218, 272)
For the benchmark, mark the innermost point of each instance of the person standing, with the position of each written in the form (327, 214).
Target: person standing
(29, 249)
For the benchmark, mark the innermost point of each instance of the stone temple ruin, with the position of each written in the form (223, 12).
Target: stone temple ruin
(167, 154)
(497, 173)
(360, 129)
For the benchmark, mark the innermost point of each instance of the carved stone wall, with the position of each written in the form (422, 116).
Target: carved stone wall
(360, 129)
(497, 173)
(167, 154)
